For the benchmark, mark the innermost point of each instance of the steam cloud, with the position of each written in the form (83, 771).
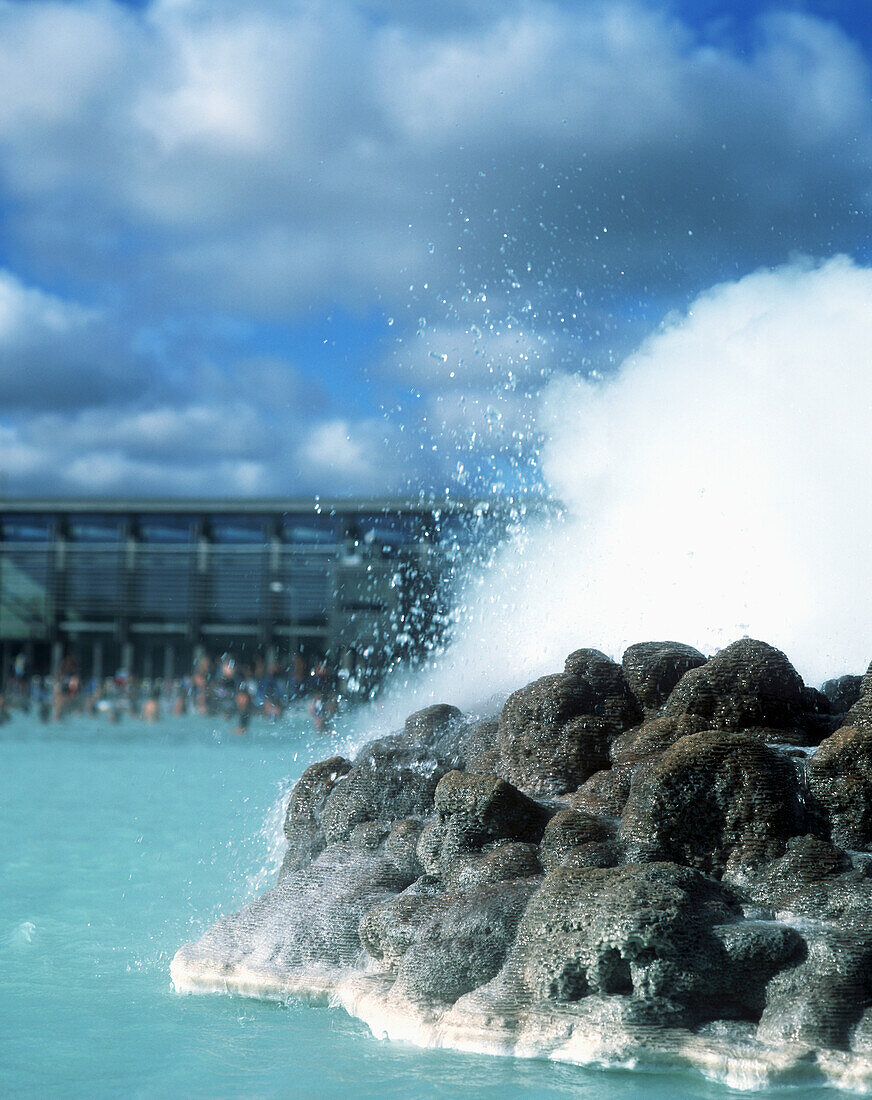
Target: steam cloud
(715, 487)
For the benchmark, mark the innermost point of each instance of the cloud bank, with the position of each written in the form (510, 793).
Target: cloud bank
(192, 186)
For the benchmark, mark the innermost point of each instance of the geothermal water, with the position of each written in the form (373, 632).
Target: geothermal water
(119, 844)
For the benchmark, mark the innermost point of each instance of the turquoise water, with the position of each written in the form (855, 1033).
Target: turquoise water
(120, 843)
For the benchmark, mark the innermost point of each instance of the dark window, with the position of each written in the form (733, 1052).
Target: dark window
(95, 528)
(237, 584)
(386, 529)
(239, 530)
(310, 530)
(22, 528)
(167, 529)
(94, 581)
(162, 584)
(303, 590)
(26, 590)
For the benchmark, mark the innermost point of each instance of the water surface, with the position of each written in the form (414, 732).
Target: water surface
(120, 843)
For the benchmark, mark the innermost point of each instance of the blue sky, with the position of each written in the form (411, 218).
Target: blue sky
(338, 248)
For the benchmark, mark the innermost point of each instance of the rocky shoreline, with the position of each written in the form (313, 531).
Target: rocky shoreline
(663, 861)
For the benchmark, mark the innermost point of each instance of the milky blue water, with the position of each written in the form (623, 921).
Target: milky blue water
(117, 845)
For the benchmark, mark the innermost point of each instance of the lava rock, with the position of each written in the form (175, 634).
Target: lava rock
(401, 846)
(814, 880)
(556, 732)
(653, 737)
(482, 750)
(389, 781)
(441, 728)
(481, 808)
(302, 825)
(444, 945)
(652, 669)
(612, 698)
(568, 831)
(711, 801)
(497, 862)
(389, 929)
(754, 951)
(642, 931)
(820, 1001)
(842, 693)
(308, 921)
(473, 811)
(595, 853)
(860, 713)
(432, 723)
(606, 792)
(749, 683)
(549, 741)
(840, 784)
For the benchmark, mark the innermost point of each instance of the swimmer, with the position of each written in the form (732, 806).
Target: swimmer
(243, 711)
(151, 709)
(322, 709)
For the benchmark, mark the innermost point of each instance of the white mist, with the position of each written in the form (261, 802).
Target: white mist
(716, 486)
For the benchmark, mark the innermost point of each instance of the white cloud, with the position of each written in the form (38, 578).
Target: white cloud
(509, 172)
(275, 156)
(56, 353)
(26, 312)
(354, 456)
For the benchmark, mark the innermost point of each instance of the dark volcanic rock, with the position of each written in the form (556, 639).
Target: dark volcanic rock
(613, 699)
(502, 860)
(653, 737)
(389, 781)
(555, 733)
(401, 846)
(629, 851)
(860, 713)
(481, 808)
(538, 753)
(442, 945)
(442, 729)
(595, 853)
(550, 741)
(389, 929)
(432, 723)
(840, 784)
(309, 920)
(474, 811)
(747, 684)
(302, 824)
(482, 752)
(652, 669)
(821, 999)
(712, 800)
(640, 931)
(815, 880)
(568, 831)
(606, 792)
(754, 951)
(842, 693)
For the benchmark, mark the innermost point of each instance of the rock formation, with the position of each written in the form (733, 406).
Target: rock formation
(667, 859)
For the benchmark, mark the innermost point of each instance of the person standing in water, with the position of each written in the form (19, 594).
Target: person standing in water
(243, 710)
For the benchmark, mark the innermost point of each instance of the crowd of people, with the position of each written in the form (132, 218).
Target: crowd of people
(224, 686)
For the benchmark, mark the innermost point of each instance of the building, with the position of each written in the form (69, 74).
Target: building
(150, 585)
